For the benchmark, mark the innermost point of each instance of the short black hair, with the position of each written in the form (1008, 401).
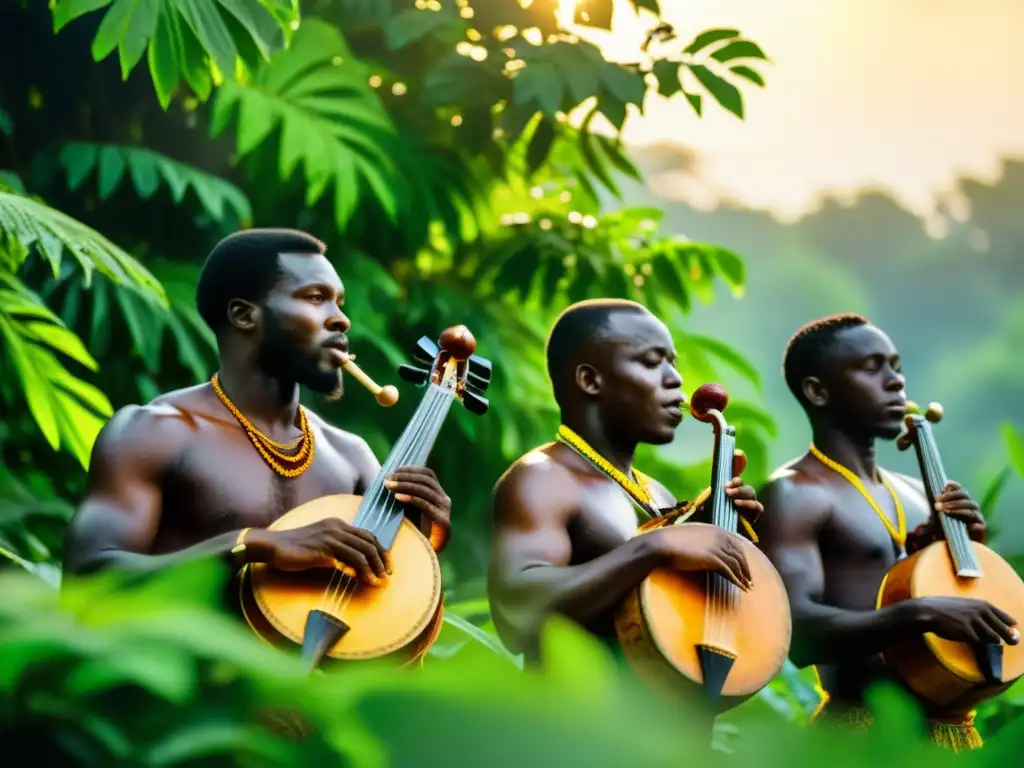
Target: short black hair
(245, 265)
(574, 332)
(807, 348)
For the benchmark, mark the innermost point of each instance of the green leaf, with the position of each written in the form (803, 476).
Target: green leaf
(49, 231)
(331, 120)
(667, 73)
(185, 38)
(147, 170)
(68, 411)
(748, 74)
(739, 49)
(413, 24)
(486, 639)
(649, 5)
(724, 92)
(695, 101)
(990, 495)
(626, 84)
(704, 39)
(1014, 447)
(67, 11)
(540, 145)
(539, 82)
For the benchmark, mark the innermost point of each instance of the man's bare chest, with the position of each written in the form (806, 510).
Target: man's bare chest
(861, 533)
(223, 484)
(607, 519)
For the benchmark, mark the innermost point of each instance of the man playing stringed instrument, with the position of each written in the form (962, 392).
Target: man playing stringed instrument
(837, 523)
(565, 514)
(203, 471)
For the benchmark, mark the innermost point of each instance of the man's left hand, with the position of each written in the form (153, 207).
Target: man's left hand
(957, 503)
(745, 500)
(419, 487)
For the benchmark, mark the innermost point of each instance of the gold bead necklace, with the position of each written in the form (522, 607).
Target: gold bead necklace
(638, 489)
(899, 536)
(271, 450)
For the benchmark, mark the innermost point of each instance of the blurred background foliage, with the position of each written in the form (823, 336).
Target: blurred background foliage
(463, 162)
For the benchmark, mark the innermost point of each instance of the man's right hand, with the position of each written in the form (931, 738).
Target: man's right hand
(324, 544)
(704, 548)
(965, 620)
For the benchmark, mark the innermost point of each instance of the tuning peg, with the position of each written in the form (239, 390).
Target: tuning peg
(480, 367)
(413, 374)
(913, 408)
(474, 403)
(903, 441)
(934, 413)
(426, 351)
(476, 382)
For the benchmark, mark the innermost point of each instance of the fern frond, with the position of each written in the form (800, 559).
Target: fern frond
(28, 223)
(69, 411)
(147, 169)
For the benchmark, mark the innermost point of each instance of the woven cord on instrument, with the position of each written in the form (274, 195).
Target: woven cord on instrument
(954, 735)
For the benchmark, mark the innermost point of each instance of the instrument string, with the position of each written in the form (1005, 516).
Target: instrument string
(385, 509)
(722, 592)
(955, 530)
(340, 580)
(379, 503)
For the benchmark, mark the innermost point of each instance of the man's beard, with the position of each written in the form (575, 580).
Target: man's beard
(277, 358)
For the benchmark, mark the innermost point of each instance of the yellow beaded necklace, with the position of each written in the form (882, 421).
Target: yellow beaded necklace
(637, 489)
(271, 450)
(899, 536)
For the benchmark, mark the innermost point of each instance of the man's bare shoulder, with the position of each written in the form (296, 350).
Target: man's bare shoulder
(348, 444)
(540, 485)
(797, 490)
(153, 434)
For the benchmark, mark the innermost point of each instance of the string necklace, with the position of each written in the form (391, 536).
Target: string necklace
(638, 488)
(899, 536)
(272, 451)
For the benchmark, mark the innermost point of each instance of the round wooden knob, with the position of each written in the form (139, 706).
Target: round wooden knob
(934, 413)
(387, 396)
(708, 397)
(458, 342)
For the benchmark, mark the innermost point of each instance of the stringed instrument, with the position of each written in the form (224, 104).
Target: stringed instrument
(948, 676)
(682, 631)
(330, 613)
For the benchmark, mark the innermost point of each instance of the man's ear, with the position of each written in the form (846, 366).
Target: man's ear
(815, 392)
(588, 379)
(243, 315)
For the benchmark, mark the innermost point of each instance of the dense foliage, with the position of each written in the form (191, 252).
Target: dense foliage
(463, 162)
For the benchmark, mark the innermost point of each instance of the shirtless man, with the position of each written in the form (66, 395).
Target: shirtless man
(180, 478)
(563, 524)
(831, 547)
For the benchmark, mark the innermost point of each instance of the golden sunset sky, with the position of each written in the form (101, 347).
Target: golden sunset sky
(899, 94)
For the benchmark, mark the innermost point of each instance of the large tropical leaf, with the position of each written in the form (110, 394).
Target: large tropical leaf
(330, 118)
(147, 170)
(26, 223)
(69, 412)
(201, 41)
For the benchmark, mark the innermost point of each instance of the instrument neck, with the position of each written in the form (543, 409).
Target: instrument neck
(929, 462)
(723, 512)
(379, 512)
(934, 478)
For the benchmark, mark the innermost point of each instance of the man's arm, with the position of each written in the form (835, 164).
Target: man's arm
(822, 634)
(117, 521)
(530, 575)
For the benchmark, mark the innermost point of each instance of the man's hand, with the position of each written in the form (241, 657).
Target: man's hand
(745, 500)
(419, 487)
(329, 543)
(957, 503)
